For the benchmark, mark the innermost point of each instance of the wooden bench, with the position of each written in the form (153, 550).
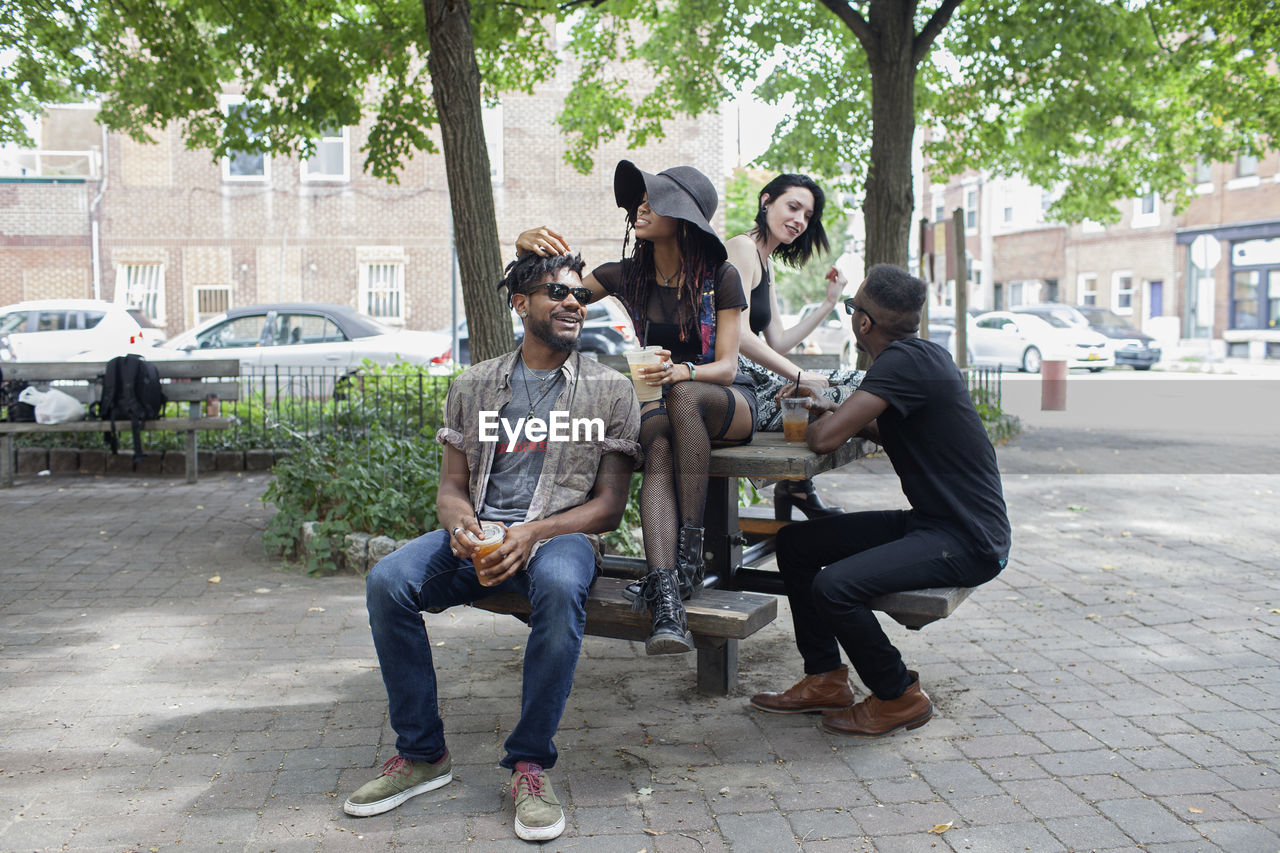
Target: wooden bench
(718, 619)
(736, 541)
(186, 381)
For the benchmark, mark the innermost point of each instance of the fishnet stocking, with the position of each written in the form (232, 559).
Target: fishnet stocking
(677, 448)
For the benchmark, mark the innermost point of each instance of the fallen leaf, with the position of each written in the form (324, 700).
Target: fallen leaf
(1274, 610)
(198, 506)
(315, 609)
(653, 832)
(644, 792)
(216, 579)
(940, 828)
(1075, 507)
(1195, 810)
(1108, 567)
(1125, 533)
(262, 590)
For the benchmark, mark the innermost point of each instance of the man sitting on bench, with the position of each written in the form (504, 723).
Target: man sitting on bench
(914, 402)
(550, 490)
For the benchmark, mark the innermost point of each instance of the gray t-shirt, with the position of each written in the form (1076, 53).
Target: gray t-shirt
(518, 464)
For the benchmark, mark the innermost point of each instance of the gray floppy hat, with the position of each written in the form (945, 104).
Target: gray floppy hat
(681, 192)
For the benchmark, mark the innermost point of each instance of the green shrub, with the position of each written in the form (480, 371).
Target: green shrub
(380, 484)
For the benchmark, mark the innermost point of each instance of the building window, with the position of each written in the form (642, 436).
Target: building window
(211, 300)
(1087, 287)
(1204, 171)
(939, 211)
(1245, 296)
(141, 286)
(1015, 294)
(330, 162)
(1146, 211)
(1122, 292)
(971, 209)
(382, 290)
(1246, 166)
(243, 165)
(1008, 214)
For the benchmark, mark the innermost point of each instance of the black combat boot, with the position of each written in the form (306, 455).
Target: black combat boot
(659, 591)
(801, 494)
(690, 563)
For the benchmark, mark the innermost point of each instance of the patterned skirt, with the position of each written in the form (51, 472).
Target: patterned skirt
(843, 382)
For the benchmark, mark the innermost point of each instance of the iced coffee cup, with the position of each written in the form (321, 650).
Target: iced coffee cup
(795, 418)
(492, 536)
(644, 357)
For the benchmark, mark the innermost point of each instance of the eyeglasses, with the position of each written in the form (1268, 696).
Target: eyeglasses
(557, 291)
(850, 307)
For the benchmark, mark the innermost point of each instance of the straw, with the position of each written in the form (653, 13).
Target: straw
(796, 393)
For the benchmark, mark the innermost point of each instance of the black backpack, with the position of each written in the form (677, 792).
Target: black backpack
(131, 391)
(11, 407)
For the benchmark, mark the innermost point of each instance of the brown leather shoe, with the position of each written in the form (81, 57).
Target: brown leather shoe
(826, 691)
(874, 717)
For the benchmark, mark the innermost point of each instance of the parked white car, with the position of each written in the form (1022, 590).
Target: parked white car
(1023, 341)
(303, 335)
(61, 329)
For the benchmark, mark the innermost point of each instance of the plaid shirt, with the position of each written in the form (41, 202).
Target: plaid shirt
(591, 390)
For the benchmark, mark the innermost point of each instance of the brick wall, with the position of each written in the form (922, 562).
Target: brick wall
(45, 241)
(287, 239)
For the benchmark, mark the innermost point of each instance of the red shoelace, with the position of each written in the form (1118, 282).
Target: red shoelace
(398, 764)
(531, 777)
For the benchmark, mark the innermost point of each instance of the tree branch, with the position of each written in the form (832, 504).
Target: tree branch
(857, 24)
(929, 32)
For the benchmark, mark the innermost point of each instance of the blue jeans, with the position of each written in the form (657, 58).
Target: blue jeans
(425, 575)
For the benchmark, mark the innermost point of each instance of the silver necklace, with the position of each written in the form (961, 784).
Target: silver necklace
(543, 387)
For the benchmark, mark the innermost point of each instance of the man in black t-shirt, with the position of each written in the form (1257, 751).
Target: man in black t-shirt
(914, 402)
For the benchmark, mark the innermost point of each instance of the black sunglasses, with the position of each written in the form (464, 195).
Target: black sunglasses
(558, 290)
(850, 307)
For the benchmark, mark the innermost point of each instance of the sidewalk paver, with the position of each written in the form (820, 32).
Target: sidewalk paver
(166, 685)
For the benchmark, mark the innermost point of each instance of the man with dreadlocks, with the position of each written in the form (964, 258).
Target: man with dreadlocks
(551, 497)
(684, 296)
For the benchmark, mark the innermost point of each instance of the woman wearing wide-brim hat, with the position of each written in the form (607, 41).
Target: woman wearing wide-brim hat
(685, 297)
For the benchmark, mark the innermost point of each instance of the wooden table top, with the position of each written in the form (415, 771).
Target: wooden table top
(769, 456)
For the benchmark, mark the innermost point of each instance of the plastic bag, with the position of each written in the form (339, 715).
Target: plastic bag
(53, 406)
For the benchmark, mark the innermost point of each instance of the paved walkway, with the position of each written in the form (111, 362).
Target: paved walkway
(166, 686)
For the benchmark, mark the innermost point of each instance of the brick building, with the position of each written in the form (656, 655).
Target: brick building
(1205, 279)
(186, 236)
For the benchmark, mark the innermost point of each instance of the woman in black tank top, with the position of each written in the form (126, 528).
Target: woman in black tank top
(788, 227)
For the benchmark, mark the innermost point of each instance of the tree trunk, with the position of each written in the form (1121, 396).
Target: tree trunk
(888, 205)
(455, 88)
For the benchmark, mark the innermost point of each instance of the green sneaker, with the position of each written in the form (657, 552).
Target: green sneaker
(539, 816)
(400, 779)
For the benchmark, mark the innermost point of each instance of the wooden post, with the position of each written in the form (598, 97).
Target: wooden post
(962, 287)
(924, 312)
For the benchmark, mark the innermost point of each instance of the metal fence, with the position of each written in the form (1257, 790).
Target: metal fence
(303, 404)
(985, 385)
(281, 407)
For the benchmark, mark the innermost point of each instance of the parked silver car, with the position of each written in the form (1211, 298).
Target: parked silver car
(304, 334)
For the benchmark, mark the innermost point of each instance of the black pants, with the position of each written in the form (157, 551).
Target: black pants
(832, 566)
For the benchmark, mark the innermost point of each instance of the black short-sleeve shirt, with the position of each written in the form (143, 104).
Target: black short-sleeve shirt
(937, 444)
(657, 328)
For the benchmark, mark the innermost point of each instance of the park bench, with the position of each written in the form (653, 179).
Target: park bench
(188, 381)
(742, 597)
